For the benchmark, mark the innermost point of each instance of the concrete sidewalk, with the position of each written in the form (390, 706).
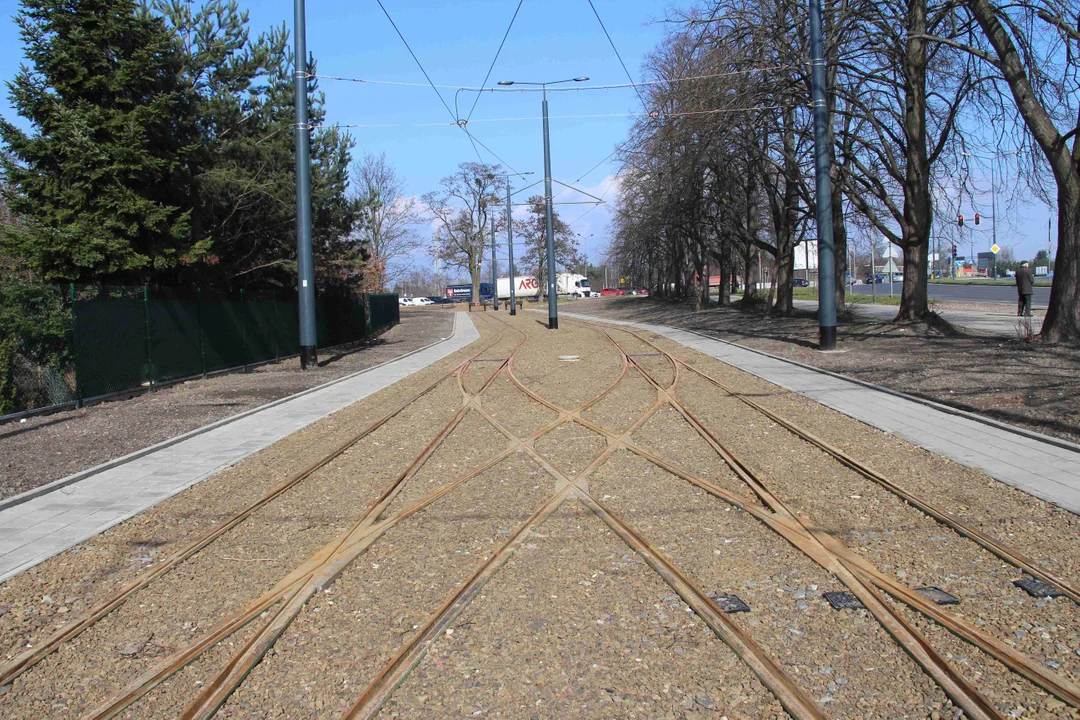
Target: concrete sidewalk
(47, 524)
(1043, 469)
(982, 321)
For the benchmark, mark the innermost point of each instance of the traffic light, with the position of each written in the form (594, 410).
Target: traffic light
(959, 221)
(954, 251)
(976, 218)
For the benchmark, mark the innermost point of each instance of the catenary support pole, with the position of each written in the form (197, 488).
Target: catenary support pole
(826, 273)
(304, 268)
(553, 305)
(510, 249)
(494, 273)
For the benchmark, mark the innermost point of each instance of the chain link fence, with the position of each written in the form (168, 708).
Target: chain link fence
(65, 344)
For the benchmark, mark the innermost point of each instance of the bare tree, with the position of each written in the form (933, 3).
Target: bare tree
(463, 208)
(1033, 48)
(533, 233)
(386, 226)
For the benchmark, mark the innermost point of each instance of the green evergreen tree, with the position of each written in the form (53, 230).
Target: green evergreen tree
(102, 182)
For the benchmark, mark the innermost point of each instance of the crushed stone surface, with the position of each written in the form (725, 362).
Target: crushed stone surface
(575, 623)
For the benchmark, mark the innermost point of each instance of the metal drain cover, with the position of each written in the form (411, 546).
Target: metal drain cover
(729, 603)
(842, 600)
(1037, 588)
(938, 595)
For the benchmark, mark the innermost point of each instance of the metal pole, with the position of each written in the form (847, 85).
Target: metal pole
(510, 249)
(304, 266)
(993, 211)
(553, 305)
(873, 268)
(494, 275)
(826, 264)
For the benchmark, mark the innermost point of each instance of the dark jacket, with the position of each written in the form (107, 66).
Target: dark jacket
(1024, 281)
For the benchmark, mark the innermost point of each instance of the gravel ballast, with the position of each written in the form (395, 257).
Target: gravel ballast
(575, 623)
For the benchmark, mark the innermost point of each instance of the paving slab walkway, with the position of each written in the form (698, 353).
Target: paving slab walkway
(1044, 469)
(35, 529)
(985, 321)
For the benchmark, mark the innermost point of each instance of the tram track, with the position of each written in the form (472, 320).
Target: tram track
(858, 574)
(278, 607)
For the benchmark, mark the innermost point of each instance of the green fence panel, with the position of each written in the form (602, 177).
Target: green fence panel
(260, 313)
(175, 345)
(385, 311)
(286, 325)
(223, 330)
(110, 339)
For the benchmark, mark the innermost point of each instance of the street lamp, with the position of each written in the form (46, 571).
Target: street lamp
(553, 308)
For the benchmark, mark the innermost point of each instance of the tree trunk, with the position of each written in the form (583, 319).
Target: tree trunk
(917, 199)
(913, 292)
(1062, 322)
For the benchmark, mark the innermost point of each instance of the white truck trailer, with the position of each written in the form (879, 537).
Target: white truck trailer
(525, 286)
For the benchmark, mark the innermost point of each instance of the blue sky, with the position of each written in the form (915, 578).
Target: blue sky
(456, 41)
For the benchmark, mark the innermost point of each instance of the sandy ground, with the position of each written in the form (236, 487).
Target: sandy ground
(49, 447)
(571, 621)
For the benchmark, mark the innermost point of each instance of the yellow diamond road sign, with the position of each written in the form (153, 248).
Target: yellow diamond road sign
(995, 249)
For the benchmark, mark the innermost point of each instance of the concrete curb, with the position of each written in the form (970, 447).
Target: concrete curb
(116, 462)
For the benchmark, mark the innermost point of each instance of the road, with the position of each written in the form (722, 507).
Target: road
(965, 293)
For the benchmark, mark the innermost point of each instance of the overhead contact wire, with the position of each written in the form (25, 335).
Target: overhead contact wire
(495, 59)
(612, 43)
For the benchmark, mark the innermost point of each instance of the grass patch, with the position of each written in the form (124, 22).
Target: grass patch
(1004, 281)
(801, 293)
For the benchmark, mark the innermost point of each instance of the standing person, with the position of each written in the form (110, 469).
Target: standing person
(1024, 282)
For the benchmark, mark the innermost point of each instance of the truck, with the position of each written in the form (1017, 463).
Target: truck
(525, 286)
(463, 293)
(572, 284)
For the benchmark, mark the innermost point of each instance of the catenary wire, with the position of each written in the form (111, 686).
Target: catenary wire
(472, 139)
(612, 43)
(495, 59)
(575, 88)
(571, 117)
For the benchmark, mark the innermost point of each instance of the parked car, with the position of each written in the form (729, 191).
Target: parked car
(612, 291)
(878, 278)
(898, 277)
(437, 300)
(800, 282)
(641, 291)
(423, 301)
(594, 294)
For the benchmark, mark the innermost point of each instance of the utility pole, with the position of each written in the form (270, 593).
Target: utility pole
(510, 249)
(553, 303)
(304, 267)
(823, 186)
(494, 274)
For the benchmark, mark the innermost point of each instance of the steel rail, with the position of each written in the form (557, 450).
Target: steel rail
(76, 626)
(1001, 550)
(304, 572)
(857, 569)
(997, 547)
(794, 699)
(215, 693)
(952, 682)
